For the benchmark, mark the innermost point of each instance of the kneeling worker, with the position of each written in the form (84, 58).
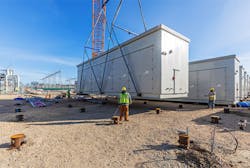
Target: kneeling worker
(124, 102)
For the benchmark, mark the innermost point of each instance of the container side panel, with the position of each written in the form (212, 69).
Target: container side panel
(215, 78)
(193, 85)
(241, 81)
(90, 85)
(204, 83)
(144, 72)
(237, 80)
(219, 74)
(143, 60)
(121, 76)
(109, 77)
(98, 70)
(244, 84)
(79, 79)
(218, 81)
(174, 65)
(247, 85)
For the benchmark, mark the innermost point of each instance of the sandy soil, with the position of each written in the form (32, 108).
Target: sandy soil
(8, 97)
(60, 137)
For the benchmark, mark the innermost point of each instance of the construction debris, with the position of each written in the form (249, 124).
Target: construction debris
(36, 102)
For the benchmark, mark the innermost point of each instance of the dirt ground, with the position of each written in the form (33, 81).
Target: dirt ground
(58, 136)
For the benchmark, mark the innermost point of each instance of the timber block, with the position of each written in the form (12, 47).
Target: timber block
(115, 119)
(215, 119)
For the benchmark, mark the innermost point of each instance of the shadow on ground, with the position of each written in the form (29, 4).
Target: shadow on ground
(5, 145)
(163, 146)
(164, 161)
(63, 114)
(101, 123)
(193, 157)
(228, 120)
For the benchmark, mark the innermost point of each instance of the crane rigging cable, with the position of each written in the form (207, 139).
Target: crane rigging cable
(98, 23)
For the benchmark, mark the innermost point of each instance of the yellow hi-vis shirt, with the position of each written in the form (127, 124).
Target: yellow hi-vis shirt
(212, 96)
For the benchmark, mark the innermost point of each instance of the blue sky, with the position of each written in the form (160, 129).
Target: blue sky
(38, 37)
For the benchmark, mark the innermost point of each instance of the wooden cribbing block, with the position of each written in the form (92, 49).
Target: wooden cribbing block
(157, 110)
(226, 110)
(184, 141)
(16, 141)
(215, 119)
(19, 117)
(115, 119)
(83, 110)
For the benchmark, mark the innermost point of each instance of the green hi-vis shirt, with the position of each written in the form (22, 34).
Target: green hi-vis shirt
(125, 98)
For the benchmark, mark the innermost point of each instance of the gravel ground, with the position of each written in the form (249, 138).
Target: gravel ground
(59, 136)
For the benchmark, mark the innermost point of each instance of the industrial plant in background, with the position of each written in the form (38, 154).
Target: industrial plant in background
(9, 82)
(54, 81)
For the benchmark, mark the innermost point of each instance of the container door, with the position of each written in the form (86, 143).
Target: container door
(176, 83)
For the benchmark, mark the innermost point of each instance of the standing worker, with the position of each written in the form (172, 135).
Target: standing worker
(211, 98)
(124, 102)
(68, 93)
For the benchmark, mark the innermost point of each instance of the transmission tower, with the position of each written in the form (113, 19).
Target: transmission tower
(98, 26)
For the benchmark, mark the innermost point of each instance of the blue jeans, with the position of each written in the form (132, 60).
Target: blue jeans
(211, 104)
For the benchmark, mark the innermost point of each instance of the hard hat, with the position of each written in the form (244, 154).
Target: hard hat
(124, 88)
(212, 89)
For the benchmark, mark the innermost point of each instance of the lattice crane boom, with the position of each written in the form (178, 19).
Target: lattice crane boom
(98, 26)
